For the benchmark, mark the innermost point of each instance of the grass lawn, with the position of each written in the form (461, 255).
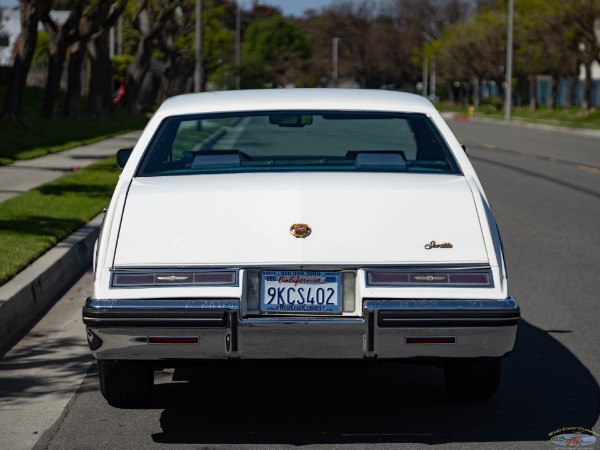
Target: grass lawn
(35, 221)
(42, 136)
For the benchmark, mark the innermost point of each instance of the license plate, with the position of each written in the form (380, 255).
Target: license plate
(300, 292)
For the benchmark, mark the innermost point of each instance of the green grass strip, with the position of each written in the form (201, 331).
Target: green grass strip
(41, 136)
(571, 118)
(32, 223)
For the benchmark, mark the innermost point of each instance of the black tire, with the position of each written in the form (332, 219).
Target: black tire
(473, 379)
(126, 382)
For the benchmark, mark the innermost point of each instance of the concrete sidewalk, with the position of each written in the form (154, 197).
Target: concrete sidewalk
(33, 290)
(22, 176)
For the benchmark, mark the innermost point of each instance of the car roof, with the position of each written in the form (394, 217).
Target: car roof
(294, 99)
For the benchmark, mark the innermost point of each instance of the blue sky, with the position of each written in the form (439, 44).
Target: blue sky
(289, 7)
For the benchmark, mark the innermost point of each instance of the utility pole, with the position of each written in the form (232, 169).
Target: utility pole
(509, 61)
(120, 36)
(238, 46)
(425, 73)
(199, 43)
(432, 82)
(334, 61)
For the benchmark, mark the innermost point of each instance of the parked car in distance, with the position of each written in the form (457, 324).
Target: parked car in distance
(298, 224)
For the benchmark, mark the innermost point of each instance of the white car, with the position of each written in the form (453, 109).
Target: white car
(298, 223)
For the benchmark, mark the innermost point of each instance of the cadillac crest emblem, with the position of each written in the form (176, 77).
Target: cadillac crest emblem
(300, 230)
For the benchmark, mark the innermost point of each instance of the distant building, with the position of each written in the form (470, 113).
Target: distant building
(11, 27)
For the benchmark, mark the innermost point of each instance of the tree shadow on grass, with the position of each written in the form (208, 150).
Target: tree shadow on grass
(40, 226)
(90, 190)
(545, 387)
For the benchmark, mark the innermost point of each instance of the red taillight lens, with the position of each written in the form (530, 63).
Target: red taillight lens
(173, 340)
(430, 340)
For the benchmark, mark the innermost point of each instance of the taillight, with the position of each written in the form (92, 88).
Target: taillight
(175, 278)
(406, 278)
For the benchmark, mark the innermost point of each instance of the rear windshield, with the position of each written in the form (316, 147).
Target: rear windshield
(297, 141)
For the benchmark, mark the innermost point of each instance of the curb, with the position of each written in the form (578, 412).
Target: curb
(37, 287)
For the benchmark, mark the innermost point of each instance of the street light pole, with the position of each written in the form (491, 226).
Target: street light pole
(424, 77)
(334, 61)
(509, 61)
(199, 43)
(238, 46)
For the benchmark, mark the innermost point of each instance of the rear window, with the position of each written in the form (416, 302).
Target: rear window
(297, 141)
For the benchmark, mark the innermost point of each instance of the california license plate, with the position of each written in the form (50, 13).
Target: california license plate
(300, 292)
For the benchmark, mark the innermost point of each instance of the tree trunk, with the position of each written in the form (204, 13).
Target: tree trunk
(553, 100)
(149, 26)
(100, 92)
(139, 70)
(477, 93)
(73, 98)
(101, 83)
(573, 80)
(12, 108)
(532, 92)
(587, 89)
(60, 38)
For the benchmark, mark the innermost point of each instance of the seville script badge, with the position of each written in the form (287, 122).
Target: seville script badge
(300, 230)
(434, 244)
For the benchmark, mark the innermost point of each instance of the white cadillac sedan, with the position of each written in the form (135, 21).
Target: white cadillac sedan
(301, 223)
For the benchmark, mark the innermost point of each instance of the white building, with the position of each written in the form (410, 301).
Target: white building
(10, 28)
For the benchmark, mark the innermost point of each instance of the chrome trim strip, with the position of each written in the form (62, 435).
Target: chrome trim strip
(164, 304)
(476, 305)
(312, 267)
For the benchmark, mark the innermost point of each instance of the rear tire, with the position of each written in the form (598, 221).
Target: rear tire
(473, 379)
(126, 382)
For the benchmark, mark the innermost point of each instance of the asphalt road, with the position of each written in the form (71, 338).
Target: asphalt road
(545, 191)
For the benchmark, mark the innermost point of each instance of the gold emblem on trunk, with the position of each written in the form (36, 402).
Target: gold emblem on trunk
(434, 244)
(300, 230)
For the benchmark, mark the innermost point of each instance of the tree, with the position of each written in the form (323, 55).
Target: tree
(76, 55)
(31, 11)
(471, 50)
(60, 37)
(354, 25)
(177, 45)
(275, 49)
(104, 16)
(584, 15)
(151, 17)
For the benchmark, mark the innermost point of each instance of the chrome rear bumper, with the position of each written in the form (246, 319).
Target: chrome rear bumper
(214, 329)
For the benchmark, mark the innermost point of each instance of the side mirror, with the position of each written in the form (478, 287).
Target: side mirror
(123, 155)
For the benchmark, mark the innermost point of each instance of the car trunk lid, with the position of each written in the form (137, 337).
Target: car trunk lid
(245, 219)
